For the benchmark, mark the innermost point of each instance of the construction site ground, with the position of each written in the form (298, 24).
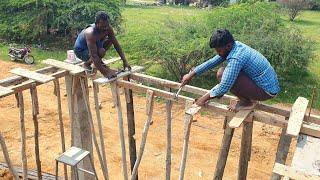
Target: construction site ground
(205, 139)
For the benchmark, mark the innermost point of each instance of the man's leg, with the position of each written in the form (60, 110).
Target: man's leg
(246, 90)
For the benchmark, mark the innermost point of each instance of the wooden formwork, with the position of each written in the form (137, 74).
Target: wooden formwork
(294, 123)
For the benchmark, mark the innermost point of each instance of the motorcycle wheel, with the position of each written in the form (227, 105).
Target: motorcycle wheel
(29, 59)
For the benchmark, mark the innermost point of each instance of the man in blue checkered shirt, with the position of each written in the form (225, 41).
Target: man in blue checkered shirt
(248, 74)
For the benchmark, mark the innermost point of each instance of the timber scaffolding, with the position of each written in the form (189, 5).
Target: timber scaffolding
(295, 123)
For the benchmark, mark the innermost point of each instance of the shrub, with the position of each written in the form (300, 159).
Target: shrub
(294, 7)
(31, 21)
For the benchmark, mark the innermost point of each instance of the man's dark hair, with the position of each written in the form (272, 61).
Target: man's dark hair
(221, 38)
(101, 15)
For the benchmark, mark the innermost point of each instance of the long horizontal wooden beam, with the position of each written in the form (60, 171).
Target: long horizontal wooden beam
(221, 109)
(225, 99)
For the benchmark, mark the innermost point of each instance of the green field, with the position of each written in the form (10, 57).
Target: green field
(141, 21)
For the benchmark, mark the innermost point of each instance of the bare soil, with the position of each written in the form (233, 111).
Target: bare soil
(205, 139)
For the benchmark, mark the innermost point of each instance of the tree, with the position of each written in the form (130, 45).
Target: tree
(294, 7)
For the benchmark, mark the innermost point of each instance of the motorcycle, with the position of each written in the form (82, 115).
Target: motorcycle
(23, 54)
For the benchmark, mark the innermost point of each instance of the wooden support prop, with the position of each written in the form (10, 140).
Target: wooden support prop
(224, 151)
(245, 149)
(297, 114)
(95, 141)
(149, 111)
(32, 75)
(293, 173)
(5, 91)
(239, 117)
(35, 112)
(7, 158)
(96, 102)
(23, 137)
(63, 142)
(74, 69)
(131, 126)
(169, 137)
(117, 103)
(104, 80)
(282, 151)
(187, 126)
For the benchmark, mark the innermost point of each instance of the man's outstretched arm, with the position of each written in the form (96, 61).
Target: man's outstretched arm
(118, 48)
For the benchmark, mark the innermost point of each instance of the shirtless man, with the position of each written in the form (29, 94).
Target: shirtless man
(248, 74)
(93, 42)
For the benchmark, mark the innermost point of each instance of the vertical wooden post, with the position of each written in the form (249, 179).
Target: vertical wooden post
(187, 126)
(7, 158)
(35, 112)
(149, 112)
(282, 151)
(117, 103)
(131, 127)
(81, 134)
(245, 150)
(224, 151)
(63, 143)
(96, 102)
(23, 137)
(94, 137)
(169, 128)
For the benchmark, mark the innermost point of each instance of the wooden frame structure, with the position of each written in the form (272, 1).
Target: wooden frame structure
(293, 122)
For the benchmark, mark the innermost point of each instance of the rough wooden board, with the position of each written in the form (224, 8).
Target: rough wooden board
(149, 102)
(72, 156)
(307, 155)
(293, 173)
(74, 69)
(5, 91)
(239, 117)
(104, 80)
(194, 109)
(32, 75)
(296, 116)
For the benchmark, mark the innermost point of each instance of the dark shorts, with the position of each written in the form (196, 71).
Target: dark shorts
(246, 88)
(83, 54)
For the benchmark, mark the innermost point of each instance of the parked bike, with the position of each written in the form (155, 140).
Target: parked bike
(23, 54)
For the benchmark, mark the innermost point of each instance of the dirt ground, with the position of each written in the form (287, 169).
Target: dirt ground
(205, 139)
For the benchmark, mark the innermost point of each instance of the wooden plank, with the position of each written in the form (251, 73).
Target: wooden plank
(298, 111)
(306, 156)
(104, 80)
(293, 173)
(74, 69)
(225, 99)
(32, 75)
(4, 91)
(239, 117)
(169, 137)
(221, 109)
(149, 103)
(194, 109)
(23, 136)
(282, 151)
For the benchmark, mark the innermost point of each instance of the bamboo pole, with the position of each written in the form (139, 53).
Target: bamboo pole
(224, 150)
(169, 136)
(96, 102)
(23, 137)
(7, 158)
(35, 112)
(95, 141)
(117, 103)
(149, 112)
(61, 126)
(187, 126)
